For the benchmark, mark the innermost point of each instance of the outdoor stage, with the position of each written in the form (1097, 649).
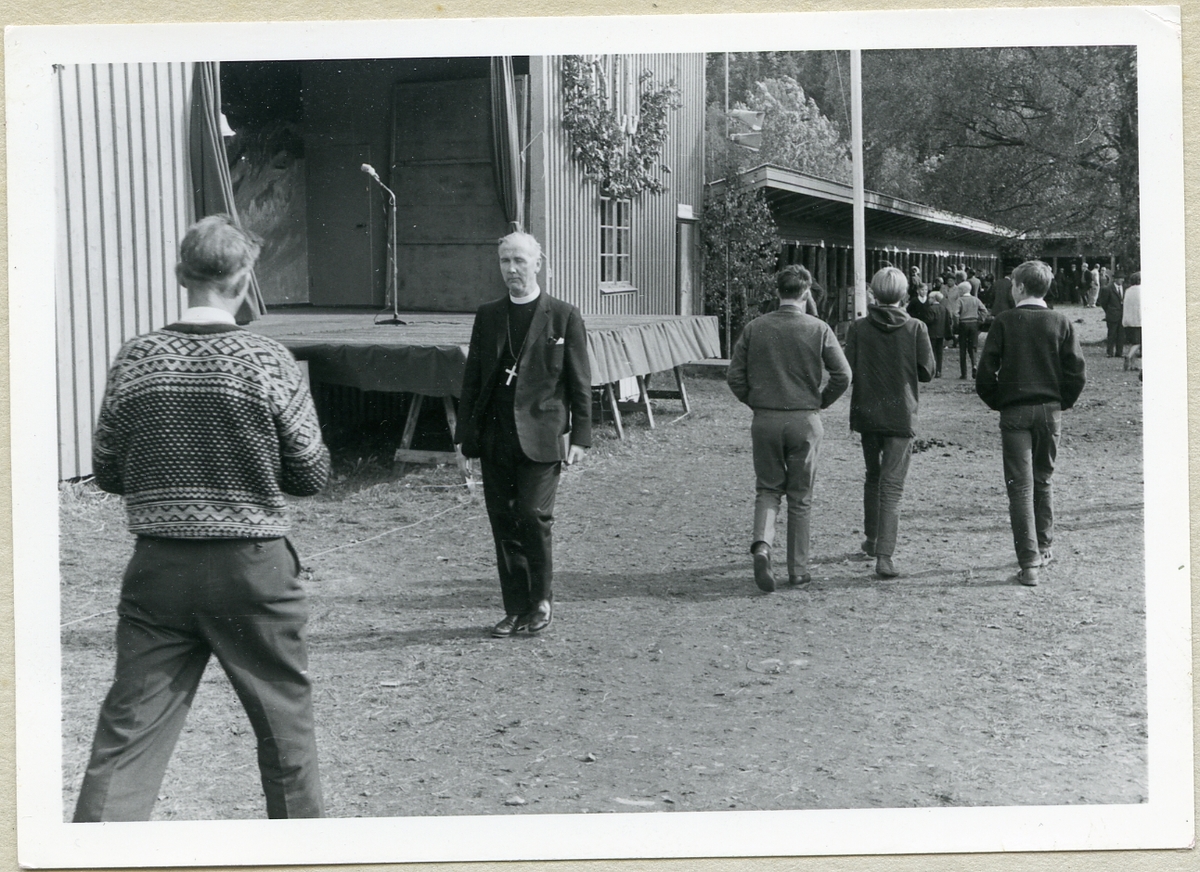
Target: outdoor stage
(426, 356)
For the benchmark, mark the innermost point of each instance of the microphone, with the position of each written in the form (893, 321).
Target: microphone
(370, 171)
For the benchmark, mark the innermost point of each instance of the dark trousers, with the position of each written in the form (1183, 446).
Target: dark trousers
(968, 339)
(519, 494)
(183, 600)
(1029, 441)
(1114, 343)
(887, 459)
(938, 345)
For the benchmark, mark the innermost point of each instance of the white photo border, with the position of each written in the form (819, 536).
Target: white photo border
(1166, 820)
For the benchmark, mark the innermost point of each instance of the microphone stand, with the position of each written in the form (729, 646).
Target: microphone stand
(395, 319)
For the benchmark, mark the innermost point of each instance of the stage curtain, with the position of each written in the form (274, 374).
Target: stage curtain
(510, 119)
(212, 188)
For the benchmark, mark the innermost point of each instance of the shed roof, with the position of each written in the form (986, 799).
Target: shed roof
(801, 198)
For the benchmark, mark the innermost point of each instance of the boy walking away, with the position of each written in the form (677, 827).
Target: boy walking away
(776, 369)
(970, 314)
(889, 352)
(940, 326)
(1031, 370)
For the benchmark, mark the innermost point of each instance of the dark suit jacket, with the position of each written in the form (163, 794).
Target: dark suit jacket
(554, 388)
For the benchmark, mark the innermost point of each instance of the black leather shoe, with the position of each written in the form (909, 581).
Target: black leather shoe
(540, 617)
(798, 580)
(763, 577)
(507, 627)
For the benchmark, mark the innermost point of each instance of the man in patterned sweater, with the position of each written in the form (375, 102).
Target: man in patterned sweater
(204, 427)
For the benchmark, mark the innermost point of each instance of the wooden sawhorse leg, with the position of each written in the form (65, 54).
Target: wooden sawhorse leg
(644, 397)
(410, 424)
(464, 463)
(611, 396)
(680, 392)
(687, 407)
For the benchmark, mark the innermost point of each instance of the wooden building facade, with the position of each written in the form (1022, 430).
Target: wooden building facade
(427, 126)
(125, 199)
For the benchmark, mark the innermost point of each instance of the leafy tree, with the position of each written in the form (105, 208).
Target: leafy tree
(795, 134)
(1038, 139)
(825, 76)
(741, 249)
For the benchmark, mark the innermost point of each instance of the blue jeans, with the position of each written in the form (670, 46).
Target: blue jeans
(786, 445)
(1029, 440)
(887, 459)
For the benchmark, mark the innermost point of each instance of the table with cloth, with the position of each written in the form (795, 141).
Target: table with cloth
(426, 357)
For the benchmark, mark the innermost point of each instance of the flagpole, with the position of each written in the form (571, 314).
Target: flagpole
(856, 151)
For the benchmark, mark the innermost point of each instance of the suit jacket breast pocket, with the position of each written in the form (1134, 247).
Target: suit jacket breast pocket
(555, 353)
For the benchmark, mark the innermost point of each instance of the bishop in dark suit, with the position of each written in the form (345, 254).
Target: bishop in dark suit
(527, 385)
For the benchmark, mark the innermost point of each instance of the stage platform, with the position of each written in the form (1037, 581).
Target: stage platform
(426, 356)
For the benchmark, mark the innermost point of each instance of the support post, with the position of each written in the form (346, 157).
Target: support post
(856, 147)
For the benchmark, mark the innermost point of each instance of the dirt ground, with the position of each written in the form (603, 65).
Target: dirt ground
(668, 682)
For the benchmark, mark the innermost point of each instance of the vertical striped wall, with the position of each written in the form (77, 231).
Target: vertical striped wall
(124, 200)
(567, 213)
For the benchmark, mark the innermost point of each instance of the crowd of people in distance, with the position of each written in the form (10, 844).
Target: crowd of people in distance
(788, 366)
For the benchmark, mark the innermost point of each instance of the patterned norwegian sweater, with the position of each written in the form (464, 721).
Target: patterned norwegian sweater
(204, 428)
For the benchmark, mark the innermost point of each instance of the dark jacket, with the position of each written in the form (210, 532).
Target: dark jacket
(1111, 302)
(889, 353)
(554, 388)
(938, 322)
(1031, 356)
(1002, 298)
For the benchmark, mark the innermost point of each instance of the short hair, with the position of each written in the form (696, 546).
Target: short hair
(519, 237)
(960, 276)
(1135, 279)
(936, 297)
(216, 251)
(792, 281)
(888, 285)
(1035, 275)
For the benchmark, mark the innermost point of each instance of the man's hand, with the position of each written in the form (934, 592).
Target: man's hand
(575, 454)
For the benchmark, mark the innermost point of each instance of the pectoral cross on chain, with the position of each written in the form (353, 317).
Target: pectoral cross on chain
(512, 374)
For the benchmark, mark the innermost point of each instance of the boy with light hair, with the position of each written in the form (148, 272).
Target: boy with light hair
(889, 353)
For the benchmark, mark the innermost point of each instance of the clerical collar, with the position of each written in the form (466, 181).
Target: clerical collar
(537, 292)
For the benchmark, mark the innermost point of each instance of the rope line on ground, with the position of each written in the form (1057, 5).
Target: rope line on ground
(384, 533)
(88, 618)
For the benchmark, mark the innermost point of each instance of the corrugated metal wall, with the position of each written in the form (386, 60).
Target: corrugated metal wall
(124, 200)
(572, 204)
